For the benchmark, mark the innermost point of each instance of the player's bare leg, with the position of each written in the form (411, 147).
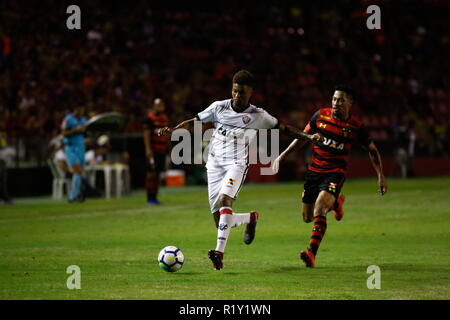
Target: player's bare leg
(324, 203)
(308, 212)
(337, 208)
(216, 217)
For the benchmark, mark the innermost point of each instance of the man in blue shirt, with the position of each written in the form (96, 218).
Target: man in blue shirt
(73, 127)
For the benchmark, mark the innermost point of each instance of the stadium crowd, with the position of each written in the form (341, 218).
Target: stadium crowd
(128, 53)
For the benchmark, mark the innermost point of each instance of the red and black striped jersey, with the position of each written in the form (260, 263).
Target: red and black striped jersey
(155, 121)
(331, 155)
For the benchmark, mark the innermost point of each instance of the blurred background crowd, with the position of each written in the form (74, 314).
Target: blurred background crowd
(129, 52)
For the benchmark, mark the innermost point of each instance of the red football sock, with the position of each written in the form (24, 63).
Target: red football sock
(151, 186)
(318, 231)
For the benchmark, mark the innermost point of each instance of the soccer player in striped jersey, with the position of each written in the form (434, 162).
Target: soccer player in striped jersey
(326, 172)
(234, 120)
(156, 149)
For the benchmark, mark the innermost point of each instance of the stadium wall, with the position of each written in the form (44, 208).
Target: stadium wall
(26, 182)
(359, 167)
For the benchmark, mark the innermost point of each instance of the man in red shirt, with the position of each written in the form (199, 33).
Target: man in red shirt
(326, 172)
(156, 149)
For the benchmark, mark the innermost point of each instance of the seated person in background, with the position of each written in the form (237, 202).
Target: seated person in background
(97, 155)
(57, 155)
(59, 158)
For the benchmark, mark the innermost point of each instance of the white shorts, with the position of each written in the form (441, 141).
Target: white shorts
(224, 179)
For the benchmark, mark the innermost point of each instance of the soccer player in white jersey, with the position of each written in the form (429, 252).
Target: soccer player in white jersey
(236, 122)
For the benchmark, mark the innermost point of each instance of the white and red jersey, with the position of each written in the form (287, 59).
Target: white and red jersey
(234, 131)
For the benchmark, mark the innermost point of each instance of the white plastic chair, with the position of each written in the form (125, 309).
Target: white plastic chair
(60, 182)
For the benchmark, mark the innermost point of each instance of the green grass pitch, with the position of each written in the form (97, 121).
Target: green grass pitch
(116, 243)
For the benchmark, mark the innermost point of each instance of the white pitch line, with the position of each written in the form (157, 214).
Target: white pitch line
(94, 214)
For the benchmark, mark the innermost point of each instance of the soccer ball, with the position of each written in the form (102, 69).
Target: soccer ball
(170, 259)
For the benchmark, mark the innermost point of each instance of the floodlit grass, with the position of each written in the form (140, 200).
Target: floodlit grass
(116, 243)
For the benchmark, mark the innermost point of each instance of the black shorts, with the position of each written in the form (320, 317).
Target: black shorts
(160, 162)
(315, 182)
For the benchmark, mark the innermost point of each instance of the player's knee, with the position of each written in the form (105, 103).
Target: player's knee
(321, 210)
(225, 201)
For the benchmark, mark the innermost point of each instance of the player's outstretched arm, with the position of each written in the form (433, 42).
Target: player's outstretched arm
(147, 142)
(301, 138)
(375, 158)
(276, 162)
(299, 134)
(166, 131)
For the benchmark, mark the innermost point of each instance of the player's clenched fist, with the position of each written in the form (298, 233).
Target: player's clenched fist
(316, 137)
(166, 131)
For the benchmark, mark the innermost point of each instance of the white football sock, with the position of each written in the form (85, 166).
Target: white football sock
(240, 218)
(223, 231)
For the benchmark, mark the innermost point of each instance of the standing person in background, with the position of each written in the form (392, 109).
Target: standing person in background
(156, 149)
(6, 152)
(73, 128)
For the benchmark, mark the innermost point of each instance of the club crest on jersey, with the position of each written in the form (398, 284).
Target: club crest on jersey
(333, 144)
(246, 119)
(346, 131)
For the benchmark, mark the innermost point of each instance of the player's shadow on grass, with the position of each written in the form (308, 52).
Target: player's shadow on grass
(190, 273)
(287, 269)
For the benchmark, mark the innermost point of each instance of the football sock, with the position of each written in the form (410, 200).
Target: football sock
(239, 219)
(318, 231)
(151, 186)
(223, 231)
(76, 185)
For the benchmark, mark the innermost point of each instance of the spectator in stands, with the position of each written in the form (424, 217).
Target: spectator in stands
(184, 53)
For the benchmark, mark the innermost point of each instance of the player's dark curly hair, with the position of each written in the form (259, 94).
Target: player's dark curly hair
(347, 89)
(244, 77)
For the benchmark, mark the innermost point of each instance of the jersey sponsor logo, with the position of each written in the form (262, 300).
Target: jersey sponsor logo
(222, 131)
(333, 144)
(325, 117)
(246, 119)
(322, 125)
(231, 181)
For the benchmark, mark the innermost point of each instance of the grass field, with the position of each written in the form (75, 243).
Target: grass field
(116, 243)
